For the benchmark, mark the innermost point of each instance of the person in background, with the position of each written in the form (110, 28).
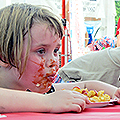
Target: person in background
(101, 65)
(117, 33)
(29, 60)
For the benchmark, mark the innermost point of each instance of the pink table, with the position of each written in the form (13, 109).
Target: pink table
(104, 113)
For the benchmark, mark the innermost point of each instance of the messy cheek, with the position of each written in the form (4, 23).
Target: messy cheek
(55, 64)
(41, 78)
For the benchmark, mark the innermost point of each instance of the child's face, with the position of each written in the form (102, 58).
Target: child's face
(43, 59)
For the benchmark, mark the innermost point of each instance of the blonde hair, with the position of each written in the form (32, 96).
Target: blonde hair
(15, 21)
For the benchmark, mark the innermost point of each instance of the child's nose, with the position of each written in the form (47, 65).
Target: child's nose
(51, 63)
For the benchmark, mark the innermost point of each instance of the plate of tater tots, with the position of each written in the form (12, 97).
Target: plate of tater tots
(97, 98)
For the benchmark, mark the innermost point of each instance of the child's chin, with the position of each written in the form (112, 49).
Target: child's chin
(42, 89)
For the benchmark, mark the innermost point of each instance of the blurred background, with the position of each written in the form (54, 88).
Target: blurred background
(89, 25)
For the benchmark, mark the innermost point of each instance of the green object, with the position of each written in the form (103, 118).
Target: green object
(103, 48)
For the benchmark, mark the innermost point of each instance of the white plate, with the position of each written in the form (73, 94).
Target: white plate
(100, 104)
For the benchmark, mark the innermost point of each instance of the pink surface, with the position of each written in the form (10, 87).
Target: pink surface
(105, 113)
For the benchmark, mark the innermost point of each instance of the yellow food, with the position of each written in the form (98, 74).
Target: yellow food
(93, 95)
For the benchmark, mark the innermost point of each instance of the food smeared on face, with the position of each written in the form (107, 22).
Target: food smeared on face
(44, 81)
(55, 41)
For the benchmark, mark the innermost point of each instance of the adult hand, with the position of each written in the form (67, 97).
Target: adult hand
(117, 95)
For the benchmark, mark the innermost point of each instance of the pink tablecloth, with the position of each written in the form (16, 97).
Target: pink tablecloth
(105, 113)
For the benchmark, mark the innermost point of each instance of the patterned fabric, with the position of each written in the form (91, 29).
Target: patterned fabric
(58, 79)
(102, 43)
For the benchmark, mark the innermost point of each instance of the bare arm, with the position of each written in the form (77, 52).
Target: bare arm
(68, 86)
(20, 101)
(60, 101)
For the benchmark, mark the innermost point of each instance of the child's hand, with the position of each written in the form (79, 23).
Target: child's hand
(117, 95)
(66, 101)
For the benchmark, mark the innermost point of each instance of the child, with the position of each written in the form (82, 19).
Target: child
(29, 43)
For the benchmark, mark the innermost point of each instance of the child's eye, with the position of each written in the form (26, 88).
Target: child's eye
(41, 51)
(56, 50)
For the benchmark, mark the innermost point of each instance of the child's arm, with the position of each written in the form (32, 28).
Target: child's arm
(22, 101)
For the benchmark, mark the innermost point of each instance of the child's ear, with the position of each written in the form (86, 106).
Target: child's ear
(3, 64)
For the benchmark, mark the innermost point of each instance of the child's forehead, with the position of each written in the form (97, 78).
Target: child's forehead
(41, 34)
(42, 30)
